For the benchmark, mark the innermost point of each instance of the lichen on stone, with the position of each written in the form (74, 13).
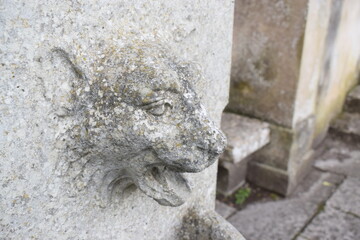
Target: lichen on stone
(134, 119)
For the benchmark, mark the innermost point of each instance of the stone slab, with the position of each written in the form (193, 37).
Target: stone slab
(224, 210)
(347, 197)
(332, 224)
(268, 177)
(245, 136)
(347, 123)
(352, 104)
(231, 176)
(317, 186)
(340, 160)
(280, 220)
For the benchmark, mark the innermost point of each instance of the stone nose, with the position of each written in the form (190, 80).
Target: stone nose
(214, 141)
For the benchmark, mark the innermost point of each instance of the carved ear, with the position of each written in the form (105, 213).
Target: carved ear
(60, 76)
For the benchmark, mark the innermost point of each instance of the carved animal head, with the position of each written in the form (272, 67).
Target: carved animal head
(138, 119)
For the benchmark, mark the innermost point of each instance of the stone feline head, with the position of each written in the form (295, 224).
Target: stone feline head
(137, 119)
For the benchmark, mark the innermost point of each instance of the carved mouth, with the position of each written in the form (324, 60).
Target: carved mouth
(167, 187)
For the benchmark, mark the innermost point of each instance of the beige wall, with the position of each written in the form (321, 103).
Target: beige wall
(293, 64)
(329, 69)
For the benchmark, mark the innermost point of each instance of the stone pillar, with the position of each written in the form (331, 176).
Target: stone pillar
(101, 115)
(286, 70)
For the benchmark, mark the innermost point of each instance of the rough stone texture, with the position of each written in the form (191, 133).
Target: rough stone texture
(34, 201)
(352, 103)
(290, 76)
(268, 177)
(137, 121)
(224, 210)
(347, 123)
(340, 158)
(347, 197)
(207, 226)
(244, 136)
(280, 220)
(324, 206)
(318, 186)
(267, 46)
(333, 224)
(231, 176)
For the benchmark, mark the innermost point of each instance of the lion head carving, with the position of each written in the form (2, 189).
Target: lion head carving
(137, 119)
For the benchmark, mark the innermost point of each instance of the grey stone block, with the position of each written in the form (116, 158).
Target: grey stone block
(317, 186)
(347, 123)
(268, 177)
(280, 220)
(352, 104)
(347, 197)
(244, 135)
(231, 176)
(341, 160)
(332, 224)
(224, 210)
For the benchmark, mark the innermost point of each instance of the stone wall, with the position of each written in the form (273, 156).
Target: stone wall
(293, 64)
(38, 198)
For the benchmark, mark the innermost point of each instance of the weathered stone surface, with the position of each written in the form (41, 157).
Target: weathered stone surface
(268, 39)
(340, 159)
(280, 220)
(207, 226)
(293, 80)
(36, 201)
(244, 136)
(347, 197)
(137, 121)
(352, 103)
(333, 224)
(224, 210)
(318, 186)
(347, 123)
(268, 177)
(231, 176)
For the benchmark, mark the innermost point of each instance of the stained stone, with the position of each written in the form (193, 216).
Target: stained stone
(347, 197)
(318, 186)
(244, 136)
(341, 160)
(347, 123)
(87, 91)
(224, 210)
(280, 220)
(333, 224)
(352, 103)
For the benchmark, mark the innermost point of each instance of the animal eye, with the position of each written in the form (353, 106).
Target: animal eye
(157, 108)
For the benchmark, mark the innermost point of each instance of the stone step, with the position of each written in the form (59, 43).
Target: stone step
(348, 123)
(352, 103)
(245, 136)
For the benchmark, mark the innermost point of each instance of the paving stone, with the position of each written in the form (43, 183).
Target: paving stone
(244, 135)
(280, 220)
(340, 160)
(347, 123)
(332, 224)
(318, 186)
(352, 103)
(347, 197)
(224, 210)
